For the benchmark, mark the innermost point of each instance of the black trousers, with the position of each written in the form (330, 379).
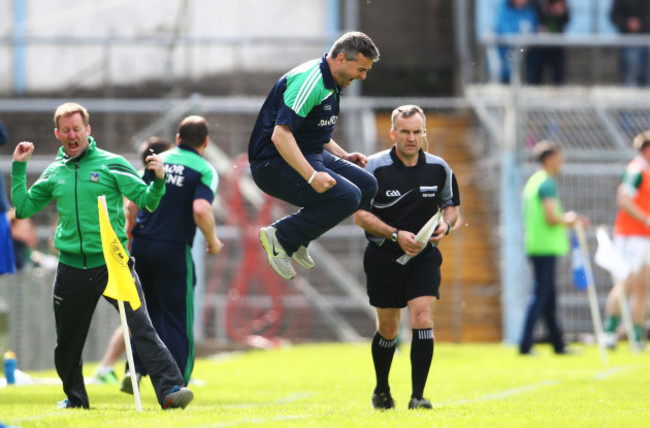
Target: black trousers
(76, 293)
(320, 212)
(166, 271)
(542, 304)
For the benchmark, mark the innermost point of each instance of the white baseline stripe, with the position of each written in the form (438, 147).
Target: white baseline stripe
(43, 416)
(265, 421)
(513, 391)
(616, 370)
(501, 394)
(288, 399)
(258, 421)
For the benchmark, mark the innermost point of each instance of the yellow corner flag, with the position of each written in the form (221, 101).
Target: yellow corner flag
(120, 282)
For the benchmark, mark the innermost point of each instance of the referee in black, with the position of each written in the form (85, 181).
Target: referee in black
(413, 186)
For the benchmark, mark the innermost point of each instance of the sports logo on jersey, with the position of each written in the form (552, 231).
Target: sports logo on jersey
(175, 174)
(428, 191)
(329, 122)
(393, 202)
(94, 177)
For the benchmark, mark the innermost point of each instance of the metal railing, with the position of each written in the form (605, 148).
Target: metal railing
(519, 43)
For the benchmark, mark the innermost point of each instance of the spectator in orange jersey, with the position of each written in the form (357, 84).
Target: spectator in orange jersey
(632, 238)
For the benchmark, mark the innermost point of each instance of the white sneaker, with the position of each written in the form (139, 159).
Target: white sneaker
(280, 262)
(610, 340)
(302, 257)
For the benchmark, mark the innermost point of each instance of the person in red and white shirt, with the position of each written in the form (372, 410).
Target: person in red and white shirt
(632, 238)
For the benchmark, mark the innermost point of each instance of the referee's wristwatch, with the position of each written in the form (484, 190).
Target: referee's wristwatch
(449, 227)
(393, 237)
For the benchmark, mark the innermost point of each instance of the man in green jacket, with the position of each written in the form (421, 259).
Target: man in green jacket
(81, 173)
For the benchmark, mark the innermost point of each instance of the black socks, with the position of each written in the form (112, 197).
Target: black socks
(382, 355)
(422, 343)
(421, 356)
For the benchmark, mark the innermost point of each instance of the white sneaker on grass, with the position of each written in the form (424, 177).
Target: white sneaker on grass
(278, 258)
(302, 257)
(610, 340)
(105, 377)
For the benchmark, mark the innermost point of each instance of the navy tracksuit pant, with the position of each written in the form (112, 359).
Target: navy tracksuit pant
(542, 303)
(320, 212)
(166, 271)
(76, 293)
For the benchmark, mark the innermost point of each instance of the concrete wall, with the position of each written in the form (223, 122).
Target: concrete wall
(49, 62)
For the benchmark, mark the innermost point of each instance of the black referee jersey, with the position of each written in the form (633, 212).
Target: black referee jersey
(409, 196)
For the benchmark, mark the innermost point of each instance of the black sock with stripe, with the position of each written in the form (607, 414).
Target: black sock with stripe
(382, 356)
(421, 356)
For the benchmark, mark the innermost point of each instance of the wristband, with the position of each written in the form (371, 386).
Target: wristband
(312, 177)
(449, 228)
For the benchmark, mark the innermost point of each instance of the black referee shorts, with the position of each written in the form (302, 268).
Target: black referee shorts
(391, 284)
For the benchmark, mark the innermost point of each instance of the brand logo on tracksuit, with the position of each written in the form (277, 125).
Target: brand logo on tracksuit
(329, 122)
(175, 174)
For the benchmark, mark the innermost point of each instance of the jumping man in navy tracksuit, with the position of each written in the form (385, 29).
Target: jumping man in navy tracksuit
(294, 158)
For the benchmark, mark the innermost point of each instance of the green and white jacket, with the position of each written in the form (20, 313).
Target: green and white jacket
(75, 183)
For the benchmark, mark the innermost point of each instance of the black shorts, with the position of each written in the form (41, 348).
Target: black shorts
(391, 284)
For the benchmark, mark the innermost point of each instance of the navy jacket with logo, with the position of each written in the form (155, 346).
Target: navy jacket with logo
(307, 100)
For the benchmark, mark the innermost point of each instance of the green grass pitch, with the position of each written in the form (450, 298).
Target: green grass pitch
(329, 385)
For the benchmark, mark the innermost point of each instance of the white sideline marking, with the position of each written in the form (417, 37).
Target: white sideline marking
(616, 370)
(288, 399)
(259, 421)
(513, 391)
(502, 394)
